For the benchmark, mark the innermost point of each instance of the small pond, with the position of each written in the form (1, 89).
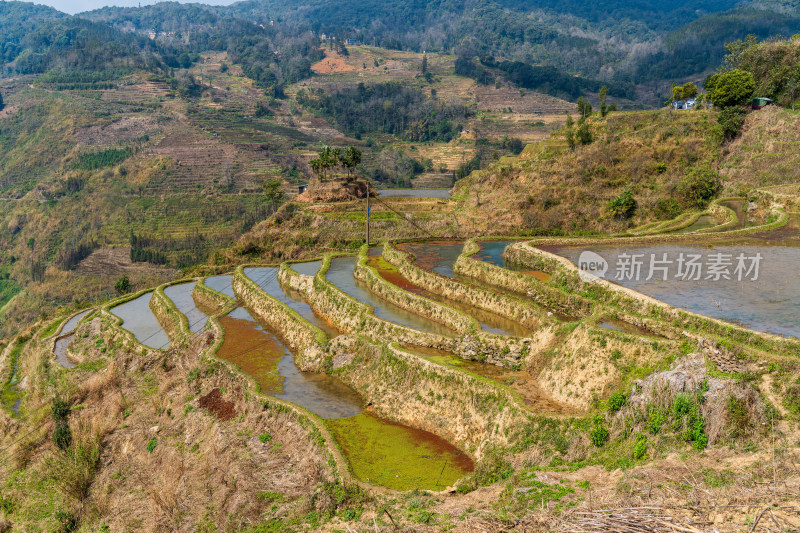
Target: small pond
(61, 345)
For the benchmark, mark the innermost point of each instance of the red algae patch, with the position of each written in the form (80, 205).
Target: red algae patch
(213, 402)
(255, 351)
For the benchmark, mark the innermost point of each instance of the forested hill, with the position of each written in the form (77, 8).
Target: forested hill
(576, 45)
(633, 41)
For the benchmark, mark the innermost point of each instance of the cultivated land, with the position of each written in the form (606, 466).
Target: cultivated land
(677, 422)
(84, 168)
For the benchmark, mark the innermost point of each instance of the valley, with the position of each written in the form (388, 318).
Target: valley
(271, 269)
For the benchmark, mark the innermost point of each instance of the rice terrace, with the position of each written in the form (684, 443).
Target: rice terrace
(325, 265)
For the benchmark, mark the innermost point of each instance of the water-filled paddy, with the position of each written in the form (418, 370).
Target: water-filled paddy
(181, 296)
(415, 193)
(70, 325)
(436, 256)
(489, 322)
(253, 349)
(223, 284)
(396, 456)
(340, 274)
(307, 268)
(770, 303)
(139, 319)
(262, 356)
(61, 345)
(267, 279)
(380, 452)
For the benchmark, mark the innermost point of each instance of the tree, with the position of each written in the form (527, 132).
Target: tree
(584, 107)
(123, 285)
(689, 90)
(2, 105)
(273, 192)
(603, 94)
(350, 159)
(570, 132)
(424, 64)
(734, 87)
(584, 134)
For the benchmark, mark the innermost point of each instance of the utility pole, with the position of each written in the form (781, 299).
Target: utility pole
(367, 241)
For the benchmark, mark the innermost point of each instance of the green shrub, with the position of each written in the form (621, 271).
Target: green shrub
(151, 445)
(731, 88)
(640, 448)
(623, 206)
(699, 186)
(62, 435)
(265, 437)
(667, 208)
(65, 522)
(655, 419)
(616, 401)
(599, 434)
(731, 119)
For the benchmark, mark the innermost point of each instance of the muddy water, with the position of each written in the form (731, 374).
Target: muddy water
(489, 322)
(261, 355)
(223, 284)
(181, 296)
(267, 279)
(309, 268)
(436, 256)
(415, 193)
(770, 304)
(703, 222)
(397, 456)
(521, 381)
(340, 274)
(380, 452)
(139, 319)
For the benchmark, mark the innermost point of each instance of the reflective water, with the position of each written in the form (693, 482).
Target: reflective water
(181, 296)
(60, 351)
(770, 304)
(61, 345)
(489, 322)
(261, 355)
(309, 268)
(267, 279)
(139, 319)
(340, 274)
(223, 284)
(415, 193)
(72, 323)
(436, 256)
